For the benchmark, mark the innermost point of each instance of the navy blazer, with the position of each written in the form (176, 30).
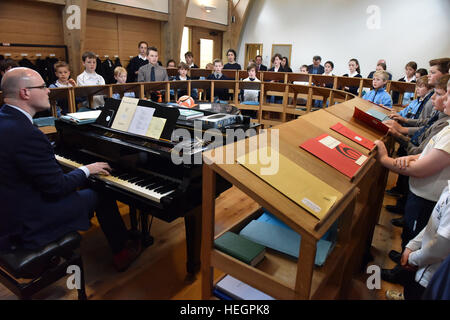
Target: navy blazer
(39, 203)
(262, 68)
(320, 67)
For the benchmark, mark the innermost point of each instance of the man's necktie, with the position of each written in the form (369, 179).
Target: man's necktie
(419, 133)
(152, 74)
(217, 76)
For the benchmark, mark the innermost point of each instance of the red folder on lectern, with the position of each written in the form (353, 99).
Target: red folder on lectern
(370, 120)
(338, 155)
(346, 132)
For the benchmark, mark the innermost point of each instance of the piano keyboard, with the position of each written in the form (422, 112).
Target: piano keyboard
(152, 187)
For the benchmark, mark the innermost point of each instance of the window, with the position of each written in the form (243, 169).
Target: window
(206, 52)
(185, 43)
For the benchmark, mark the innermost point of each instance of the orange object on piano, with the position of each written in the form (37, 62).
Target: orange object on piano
(338, 155)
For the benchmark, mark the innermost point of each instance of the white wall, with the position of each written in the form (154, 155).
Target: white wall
(219, 15)
(154, 5)
(337, 30)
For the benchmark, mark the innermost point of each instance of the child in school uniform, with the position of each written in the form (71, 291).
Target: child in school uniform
(182, 75)
(251, 97)
(424, 92)
(120, 74)
(410, 76)
(62, 72)
(90, 78)
(220, 94)
(354, 72)
(379, 95)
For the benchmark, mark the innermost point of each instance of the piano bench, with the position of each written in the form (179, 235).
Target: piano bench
(43, 266)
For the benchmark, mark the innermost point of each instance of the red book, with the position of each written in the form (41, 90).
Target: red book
(346, 132)
(370, 120)
(338, 155)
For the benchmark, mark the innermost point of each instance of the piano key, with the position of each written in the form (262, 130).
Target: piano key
(121, 182)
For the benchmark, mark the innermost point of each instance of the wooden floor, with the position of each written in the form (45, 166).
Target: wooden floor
(160, 271)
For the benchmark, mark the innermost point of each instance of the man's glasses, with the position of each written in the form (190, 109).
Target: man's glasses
(37, 87)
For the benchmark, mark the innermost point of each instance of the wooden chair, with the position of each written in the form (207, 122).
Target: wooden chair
(343, 82)
(179, 88)
(243, 74)
(172, 72)
(270, 76)
(230, 74)
(397, 90)
(61, 94)
(272, 113)
(248, 85)
(222, 85)
(195, 74)
(157, 91)
(90, 91)
(126, 87)
(299, 77)
(202, 86)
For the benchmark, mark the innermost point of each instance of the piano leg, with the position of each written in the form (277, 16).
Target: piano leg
(147, 239)
(193, 226)
(133, 218)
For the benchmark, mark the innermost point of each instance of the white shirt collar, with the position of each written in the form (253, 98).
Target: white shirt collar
(142, 57)
(60, 85)
(23, 111)
(412, 79)
(353, 74)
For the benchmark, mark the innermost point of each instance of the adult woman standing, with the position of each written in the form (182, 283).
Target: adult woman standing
(232, 64)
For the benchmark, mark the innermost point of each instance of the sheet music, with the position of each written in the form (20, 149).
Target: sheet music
(125, 114)
(85, 115)
(141, 120)
(156, 127)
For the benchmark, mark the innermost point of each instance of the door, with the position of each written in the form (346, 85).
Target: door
(206, 46)
(251, 51)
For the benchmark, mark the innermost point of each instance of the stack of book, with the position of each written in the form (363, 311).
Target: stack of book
(240, 248)
(272, 233)
(189, 114)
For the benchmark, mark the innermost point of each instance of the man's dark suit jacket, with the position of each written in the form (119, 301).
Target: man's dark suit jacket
(320, 67)
(38, 201)
(262, 68)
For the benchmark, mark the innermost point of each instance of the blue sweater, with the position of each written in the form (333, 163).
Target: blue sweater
(379, 96)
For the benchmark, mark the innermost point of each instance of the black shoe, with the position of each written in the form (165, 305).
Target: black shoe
(395, 256)
(397, 275)
(394, 192)
(398, 222)
(395, 209)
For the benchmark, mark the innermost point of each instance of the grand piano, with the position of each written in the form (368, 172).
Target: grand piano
(144, 176)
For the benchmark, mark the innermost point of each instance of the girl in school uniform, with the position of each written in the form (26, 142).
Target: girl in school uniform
(354, 72)
(276, 62)
(285, 64)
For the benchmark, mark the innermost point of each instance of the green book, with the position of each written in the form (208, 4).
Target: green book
(240, 248)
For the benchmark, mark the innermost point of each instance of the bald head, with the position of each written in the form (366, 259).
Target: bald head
(25, 89)
(16, 79)
(381, 61)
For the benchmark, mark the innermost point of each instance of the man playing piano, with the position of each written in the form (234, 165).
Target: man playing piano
(39, 202)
